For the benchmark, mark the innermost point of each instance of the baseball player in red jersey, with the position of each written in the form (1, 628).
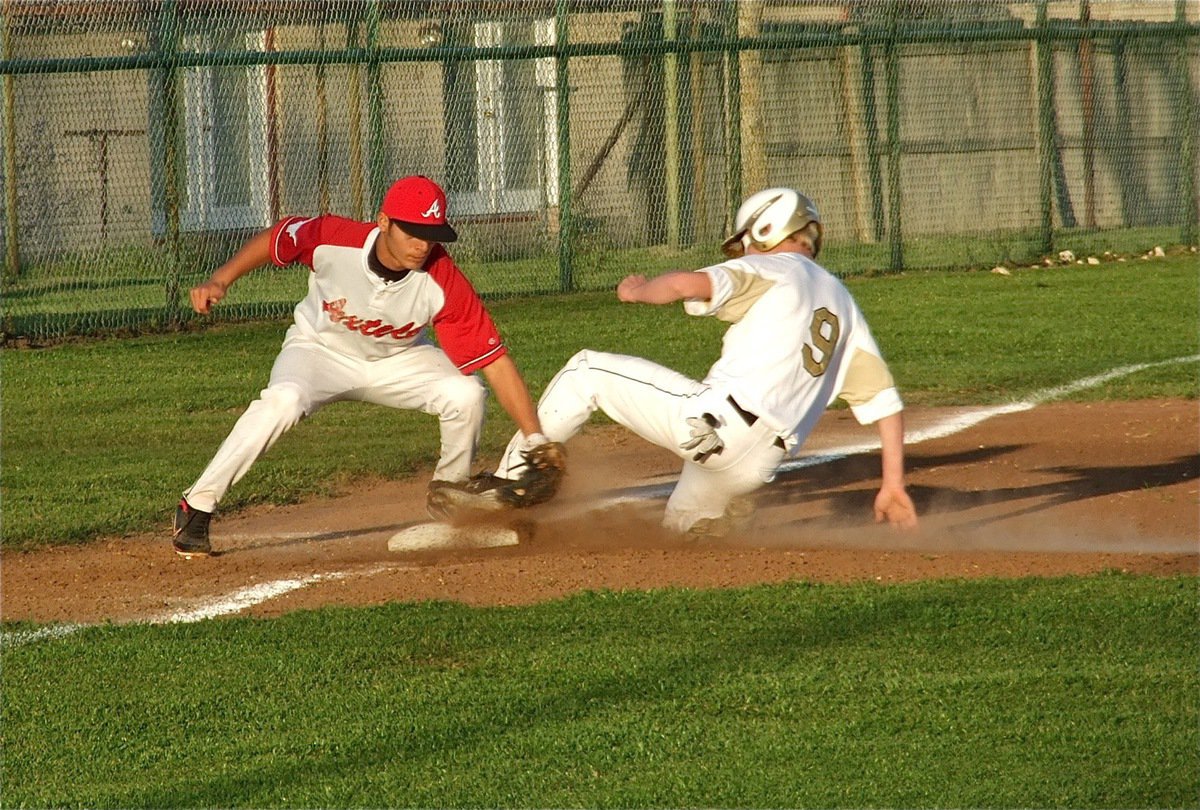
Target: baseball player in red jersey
(361, 334)
(796, 341)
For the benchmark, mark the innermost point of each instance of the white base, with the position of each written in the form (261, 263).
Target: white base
(435, 536)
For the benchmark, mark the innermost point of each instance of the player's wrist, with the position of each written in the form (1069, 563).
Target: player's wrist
(532, 440)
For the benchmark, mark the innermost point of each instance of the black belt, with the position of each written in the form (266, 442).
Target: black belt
(751, 418)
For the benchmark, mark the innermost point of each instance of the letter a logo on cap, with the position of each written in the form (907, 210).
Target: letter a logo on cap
(434, 210)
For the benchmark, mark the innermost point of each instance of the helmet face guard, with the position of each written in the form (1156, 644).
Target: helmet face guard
(767, 218)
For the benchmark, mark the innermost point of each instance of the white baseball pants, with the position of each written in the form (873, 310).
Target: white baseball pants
(655, 403)
(307, 376)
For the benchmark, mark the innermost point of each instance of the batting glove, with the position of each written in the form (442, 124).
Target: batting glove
(704, 439)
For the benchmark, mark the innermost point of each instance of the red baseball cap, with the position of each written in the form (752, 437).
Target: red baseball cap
(418, 205)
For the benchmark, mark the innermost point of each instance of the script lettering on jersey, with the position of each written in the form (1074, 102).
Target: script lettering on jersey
(373, 327)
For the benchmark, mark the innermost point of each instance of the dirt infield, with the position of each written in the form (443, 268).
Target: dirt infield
(1059, 489)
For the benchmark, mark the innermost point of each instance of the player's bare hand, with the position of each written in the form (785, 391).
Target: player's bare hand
(896, 507)
(206, 294)
(627, 289)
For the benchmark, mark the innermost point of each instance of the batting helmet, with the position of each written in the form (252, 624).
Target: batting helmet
(767, 218)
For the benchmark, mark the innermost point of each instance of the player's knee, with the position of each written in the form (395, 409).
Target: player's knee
(578, 370)
(588, 359)
(288, 403)
(572, 383)
(463, 398)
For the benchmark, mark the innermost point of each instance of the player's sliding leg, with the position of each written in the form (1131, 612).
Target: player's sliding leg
(638, 394)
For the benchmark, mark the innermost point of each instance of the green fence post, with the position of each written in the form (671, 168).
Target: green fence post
(733, 117)
(671, 124)
(12, 251)
(562, 93)
(1185, 115)
(354, 123)
(378, 183)
(1129, 181)
(1088, 104)
(322, 104)
(1045, 92)
(168, 43)
(895, 178)
(871, 128)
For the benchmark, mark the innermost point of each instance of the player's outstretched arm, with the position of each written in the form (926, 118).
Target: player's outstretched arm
(665, 289)
(893, 503)
(506, 381)
(255, 253)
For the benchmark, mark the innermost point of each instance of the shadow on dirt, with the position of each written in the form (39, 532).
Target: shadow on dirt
(835, 491)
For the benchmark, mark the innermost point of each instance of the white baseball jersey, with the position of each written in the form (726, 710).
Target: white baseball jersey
(349, 309)
(798, 340)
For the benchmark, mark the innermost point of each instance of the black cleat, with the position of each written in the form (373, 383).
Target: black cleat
(190, 532)
(464, 501)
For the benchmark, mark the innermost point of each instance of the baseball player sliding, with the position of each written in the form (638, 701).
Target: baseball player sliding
(797, 340)
(361, 334)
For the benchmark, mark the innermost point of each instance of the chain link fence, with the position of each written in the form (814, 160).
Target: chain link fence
(578, 140)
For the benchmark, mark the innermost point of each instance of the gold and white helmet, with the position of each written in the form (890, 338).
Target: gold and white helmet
(767, 218)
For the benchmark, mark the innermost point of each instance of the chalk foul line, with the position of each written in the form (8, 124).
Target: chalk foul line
(210, 608)
(957, 424)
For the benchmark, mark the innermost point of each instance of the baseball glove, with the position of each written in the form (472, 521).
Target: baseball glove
(540, 478)
(485, 494)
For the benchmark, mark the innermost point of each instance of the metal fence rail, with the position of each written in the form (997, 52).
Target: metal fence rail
(143, 141)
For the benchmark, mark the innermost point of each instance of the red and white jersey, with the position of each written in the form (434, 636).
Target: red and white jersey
(798, 340)
(351, 310)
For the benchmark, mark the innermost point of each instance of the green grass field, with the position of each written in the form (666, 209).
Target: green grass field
(1078, 692)
(1053, 693)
